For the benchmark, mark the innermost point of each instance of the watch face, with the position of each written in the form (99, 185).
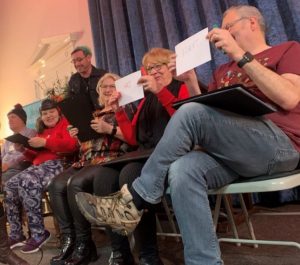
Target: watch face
(247, 57)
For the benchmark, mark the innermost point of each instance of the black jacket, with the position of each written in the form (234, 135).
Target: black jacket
(78, 84)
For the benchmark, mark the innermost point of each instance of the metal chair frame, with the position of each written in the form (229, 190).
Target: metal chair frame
(276, 182)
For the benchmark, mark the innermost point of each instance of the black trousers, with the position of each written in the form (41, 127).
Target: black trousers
(100, 181)
(145, 233)
(62, 190)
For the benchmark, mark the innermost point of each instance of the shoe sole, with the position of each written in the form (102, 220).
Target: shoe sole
(36, 249)
(85, 210)
(19, 244)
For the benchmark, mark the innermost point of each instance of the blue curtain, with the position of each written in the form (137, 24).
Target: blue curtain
(123, 30)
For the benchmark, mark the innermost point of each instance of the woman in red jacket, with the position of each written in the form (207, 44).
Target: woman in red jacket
(26, 188)
(144, 131)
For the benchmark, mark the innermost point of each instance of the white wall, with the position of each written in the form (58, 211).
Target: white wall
(23, 24)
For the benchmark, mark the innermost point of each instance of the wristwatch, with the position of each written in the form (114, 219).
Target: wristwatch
(247, 57)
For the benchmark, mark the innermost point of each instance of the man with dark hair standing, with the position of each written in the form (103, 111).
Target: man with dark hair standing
(87, 76)
(13, 161)
(83, 83)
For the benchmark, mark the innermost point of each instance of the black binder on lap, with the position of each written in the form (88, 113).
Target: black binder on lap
(235, 98)
(78, 110)
(21, 139)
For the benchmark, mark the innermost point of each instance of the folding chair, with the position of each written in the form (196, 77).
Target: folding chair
(47, 211)
(171, 221)
(276, 182)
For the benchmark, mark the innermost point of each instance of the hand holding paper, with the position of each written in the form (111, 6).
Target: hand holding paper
(129, 88)
(113, 101)
(149, 84)
(192, 52)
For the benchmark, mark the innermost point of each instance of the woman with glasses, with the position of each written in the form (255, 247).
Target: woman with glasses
(77, 245)
(144, 131)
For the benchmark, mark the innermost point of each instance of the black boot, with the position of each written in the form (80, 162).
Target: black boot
(145, 238)
(67, 247)
(84, 252)
(118, 258)
(154, 260)
(7, 256)
(121, 254)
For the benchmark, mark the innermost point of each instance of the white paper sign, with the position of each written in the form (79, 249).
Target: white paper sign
(130, 90)
(192, 52)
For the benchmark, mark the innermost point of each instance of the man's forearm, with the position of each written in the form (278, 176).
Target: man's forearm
(273, 85)
(193, 87)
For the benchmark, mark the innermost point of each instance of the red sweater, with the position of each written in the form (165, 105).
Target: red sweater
(280, 59)
(58, 140)
(165, 97)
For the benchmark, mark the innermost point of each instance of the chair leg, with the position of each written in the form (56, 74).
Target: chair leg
(230, 218)
(217, 211)
(159, 227)
(247, 218)
(170, 217)
(48, 212)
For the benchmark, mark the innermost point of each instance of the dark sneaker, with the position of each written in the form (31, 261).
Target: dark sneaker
(33, 245)
(13, 243)
(117, 211)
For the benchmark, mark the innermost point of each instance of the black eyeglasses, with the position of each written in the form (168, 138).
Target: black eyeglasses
(155, 67)
(228, 26)
(78, 60)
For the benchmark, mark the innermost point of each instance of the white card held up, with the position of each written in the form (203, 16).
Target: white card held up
(129, 88)
(192, 52)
